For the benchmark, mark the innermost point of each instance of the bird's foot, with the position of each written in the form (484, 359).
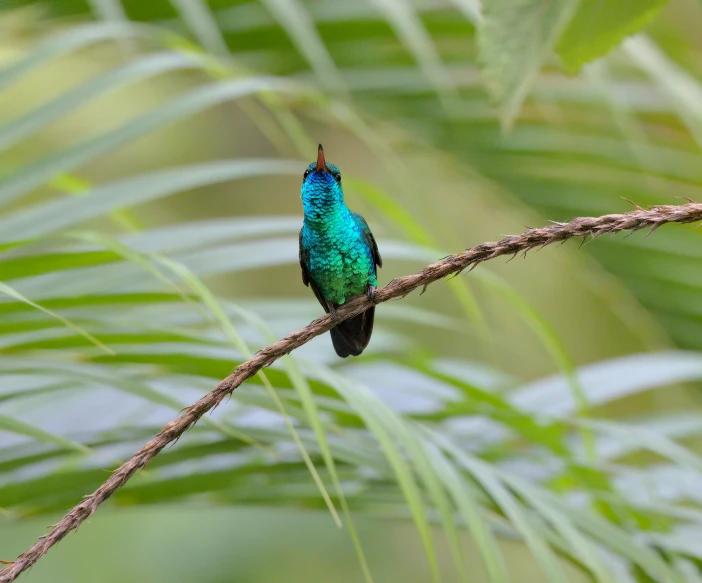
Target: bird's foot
(332, 312)
(370, 292)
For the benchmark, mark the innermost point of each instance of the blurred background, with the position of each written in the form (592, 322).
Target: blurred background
(533, 420)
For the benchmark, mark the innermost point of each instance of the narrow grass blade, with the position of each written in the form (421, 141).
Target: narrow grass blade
(409, 28)
(683, 89)
(9, 291)
(110, 10)
(203, 25)
(296, 21)
(646, 439)
(71, 40)
(113, 11)
(197, 234)
(20, 428)
(471, 9)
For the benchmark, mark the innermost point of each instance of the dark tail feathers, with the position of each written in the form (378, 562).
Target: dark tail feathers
(351, 336)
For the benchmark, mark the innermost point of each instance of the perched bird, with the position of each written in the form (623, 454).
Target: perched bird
(338, 254)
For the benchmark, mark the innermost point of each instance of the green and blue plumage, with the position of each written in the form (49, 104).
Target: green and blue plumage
(338, 254)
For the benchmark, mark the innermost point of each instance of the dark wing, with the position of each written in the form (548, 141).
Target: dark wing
(303, 261)
(307, 278)
(361, 222)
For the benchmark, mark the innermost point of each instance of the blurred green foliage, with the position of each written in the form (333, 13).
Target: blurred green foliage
(531, 417)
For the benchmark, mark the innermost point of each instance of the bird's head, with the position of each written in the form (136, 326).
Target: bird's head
(321, 182)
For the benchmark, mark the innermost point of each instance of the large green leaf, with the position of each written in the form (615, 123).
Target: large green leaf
(600, 25)
(515, 37)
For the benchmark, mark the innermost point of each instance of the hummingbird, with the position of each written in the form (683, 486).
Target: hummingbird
(338, 254)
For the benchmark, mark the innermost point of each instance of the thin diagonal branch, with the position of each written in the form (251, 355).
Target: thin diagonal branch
(398, 288)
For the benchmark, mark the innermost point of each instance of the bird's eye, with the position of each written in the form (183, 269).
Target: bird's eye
(306, 174)
(337, 176)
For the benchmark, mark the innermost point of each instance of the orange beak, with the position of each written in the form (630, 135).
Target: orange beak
(321, 164)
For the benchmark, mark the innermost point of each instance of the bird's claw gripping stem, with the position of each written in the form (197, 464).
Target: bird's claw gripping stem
(332, 312)
(370, 292)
